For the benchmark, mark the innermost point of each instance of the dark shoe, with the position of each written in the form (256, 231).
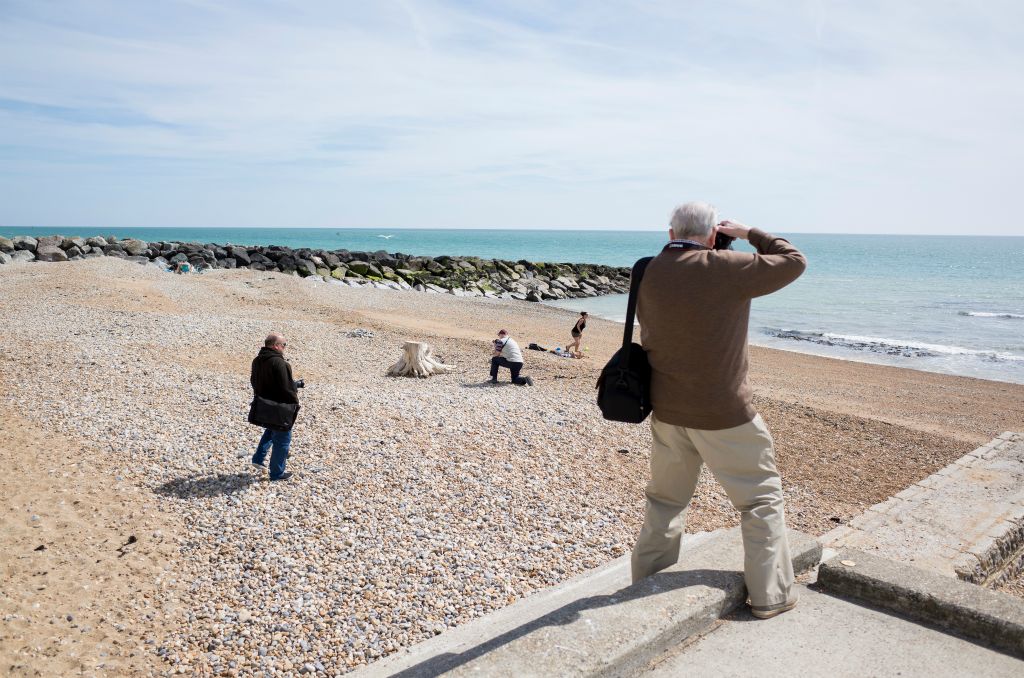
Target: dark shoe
(529, 381)
(284, 476)
(769, 612)
(493, 381)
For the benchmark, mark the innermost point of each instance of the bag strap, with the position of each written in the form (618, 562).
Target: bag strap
(634, 291)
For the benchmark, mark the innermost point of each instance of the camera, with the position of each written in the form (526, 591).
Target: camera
(723, 241)
(301, 383)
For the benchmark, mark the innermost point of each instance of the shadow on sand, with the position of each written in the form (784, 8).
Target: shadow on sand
(202, 486)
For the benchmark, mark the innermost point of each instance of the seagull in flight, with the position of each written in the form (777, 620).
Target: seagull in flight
(385, 236)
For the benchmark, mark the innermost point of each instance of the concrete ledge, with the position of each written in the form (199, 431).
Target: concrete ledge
(966, 520)
(597, 624)
(969, 610)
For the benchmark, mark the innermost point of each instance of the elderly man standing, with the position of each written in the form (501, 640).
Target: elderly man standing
(694, 308)
(277, 398)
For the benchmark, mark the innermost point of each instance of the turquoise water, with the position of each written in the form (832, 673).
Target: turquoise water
(945, 303)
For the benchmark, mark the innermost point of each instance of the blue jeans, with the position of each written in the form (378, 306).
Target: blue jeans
(281, 441)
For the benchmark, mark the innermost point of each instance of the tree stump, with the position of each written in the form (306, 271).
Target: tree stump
(417, 361)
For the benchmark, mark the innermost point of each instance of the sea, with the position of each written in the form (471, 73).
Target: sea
(949, 304)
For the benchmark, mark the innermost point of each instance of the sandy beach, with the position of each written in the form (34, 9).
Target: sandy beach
(417, 504)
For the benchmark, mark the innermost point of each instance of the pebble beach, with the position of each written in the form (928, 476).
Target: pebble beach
(417, 504)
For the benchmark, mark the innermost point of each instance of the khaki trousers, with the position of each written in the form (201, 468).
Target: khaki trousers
(742, 459)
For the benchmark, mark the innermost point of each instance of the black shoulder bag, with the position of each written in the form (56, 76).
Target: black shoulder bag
(271, 414)
(624, 387)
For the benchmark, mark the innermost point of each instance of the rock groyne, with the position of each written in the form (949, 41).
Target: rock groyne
(461, 276)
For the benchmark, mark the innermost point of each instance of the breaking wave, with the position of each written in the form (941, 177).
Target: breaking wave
(892, 347)
(986, 314)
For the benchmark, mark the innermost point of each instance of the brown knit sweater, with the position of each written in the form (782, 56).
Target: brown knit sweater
(694, 308)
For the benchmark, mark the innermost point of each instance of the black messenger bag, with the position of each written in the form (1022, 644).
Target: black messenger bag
(624, 387)
(272, 414)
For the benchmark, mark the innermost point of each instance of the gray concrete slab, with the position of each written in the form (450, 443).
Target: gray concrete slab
(828, 636)
(994, 618)
(966, 520)
(596, 624)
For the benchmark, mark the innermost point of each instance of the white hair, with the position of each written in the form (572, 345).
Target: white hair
(693, 220)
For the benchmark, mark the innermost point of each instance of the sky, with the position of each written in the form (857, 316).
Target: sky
(804, 116)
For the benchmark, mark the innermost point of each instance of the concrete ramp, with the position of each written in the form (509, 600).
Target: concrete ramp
(597, 624)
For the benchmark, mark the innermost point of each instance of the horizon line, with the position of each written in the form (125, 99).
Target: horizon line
(529, 229)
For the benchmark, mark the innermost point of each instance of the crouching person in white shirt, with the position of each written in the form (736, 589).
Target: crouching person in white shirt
(507, 354)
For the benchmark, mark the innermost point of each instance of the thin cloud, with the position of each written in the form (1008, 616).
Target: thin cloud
(817, 116)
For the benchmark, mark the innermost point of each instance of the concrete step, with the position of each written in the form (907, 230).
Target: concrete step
(829, 636)
(597, 624)
(995, 619)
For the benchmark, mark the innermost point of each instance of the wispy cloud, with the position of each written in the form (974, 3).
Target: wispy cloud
(815, 115)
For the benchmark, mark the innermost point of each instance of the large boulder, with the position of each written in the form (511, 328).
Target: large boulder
(4, 257)
(360, 267)
(49, 241)
(240, 255)
(25, 242)
(134, 248)
(339, 272)
(22, 255)
(6, 245)
(68, 243)
(258, 258)
(277, 253)
(305, 267)
(114, 251)
(96, 241)
(50, 252)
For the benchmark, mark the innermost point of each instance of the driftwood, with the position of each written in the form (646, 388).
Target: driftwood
(417, 361)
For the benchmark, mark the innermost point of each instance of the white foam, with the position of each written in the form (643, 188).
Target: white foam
(986, 314)
(885, 342)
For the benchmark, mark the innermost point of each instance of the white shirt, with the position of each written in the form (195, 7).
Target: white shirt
(510, 351)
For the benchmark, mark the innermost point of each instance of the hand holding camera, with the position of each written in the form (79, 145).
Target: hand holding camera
(734, 229)
(301, 383)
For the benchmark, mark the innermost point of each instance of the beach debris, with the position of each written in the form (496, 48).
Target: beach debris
(359, 333)
(41, 547)
(121, 549)
(848, 563)
(418, 361)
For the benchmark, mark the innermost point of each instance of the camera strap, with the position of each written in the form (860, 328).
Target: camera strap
(684, 245)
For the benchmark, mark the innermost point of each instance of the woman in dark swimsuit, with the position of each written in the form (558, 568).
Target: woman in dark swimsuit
(577, 335)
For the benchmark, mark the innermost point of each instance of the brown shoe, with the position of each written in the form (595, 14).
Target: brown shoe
(767, 612)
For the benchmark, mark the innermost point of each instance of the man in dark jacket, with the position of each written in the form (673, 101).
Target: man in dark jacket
(271, 378)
